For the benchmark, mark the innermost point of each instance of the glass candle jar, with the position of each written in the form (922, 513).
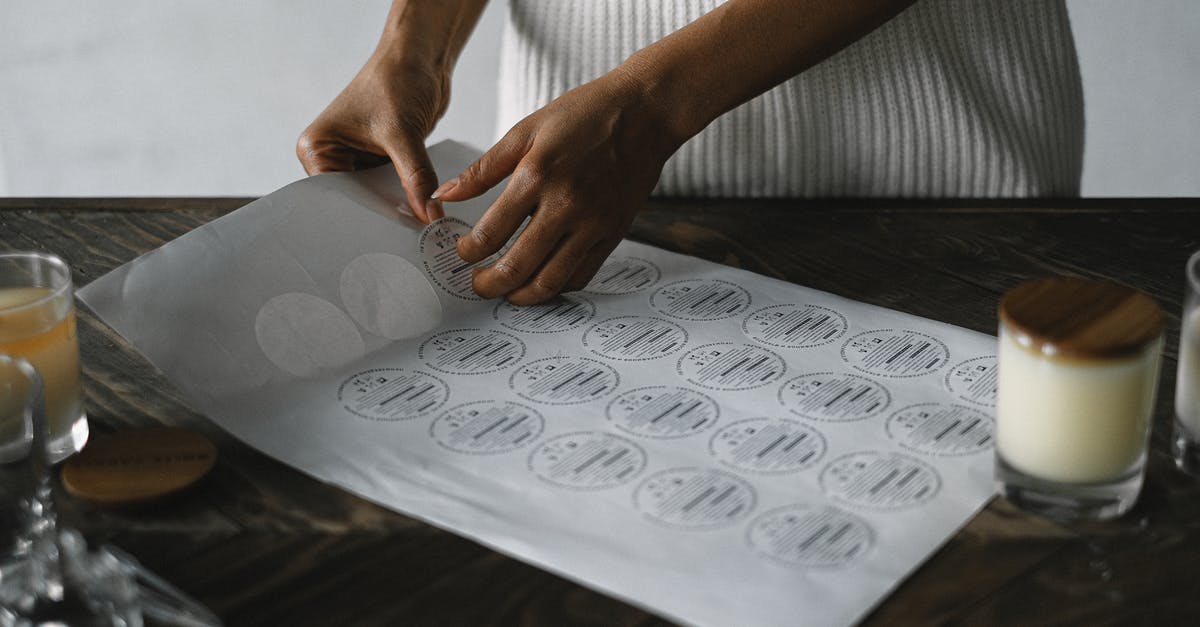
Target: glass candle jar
(1186, 441)
(1078, 372)
(37, 323)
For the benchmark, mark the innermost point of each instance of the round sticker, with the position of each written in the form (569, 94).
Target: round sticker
(941, 429)
(806, 535)
(389, 296)
(895, 353)
(974, 380)
(768, 445)
(487, 427)
(624, 275)
(634, 338)
(587, 460)
(564, 380)
(700, 299)
(794, 326)
(728, 366)
(439, 253)
(694, 498)
(392, 394)
(833, 397)
(562, 313)
(471, 351)
(880, 480)
(663, 412)
(305, 335)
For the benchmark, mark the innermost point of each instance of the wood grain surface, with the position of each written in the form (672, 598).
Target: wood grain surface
(1071, 317)
(263, 544)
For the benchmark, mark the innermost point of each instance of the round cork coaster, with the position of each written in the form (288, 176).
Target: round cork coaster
(137, 466)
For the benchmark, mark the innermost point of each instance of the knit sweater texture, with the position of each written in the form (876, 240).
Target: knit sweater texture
(951, 98)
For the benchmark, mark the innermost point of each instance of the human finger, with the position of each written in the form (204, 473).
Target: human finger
(497, 225)
(417, 175)
(488, 170)
(591, 264)
(519, 262)
(552, 277)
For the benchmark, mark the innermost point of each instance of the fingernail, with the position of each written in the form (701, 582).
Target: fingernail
(434, 209)
(447, 186)
(405, 208)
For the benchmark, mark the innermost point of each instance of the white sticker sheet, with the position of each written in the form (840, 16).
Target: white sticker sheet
(718, 447)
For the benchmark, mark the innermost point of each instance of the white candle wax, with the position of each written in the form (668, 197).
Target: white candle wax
(1187, 384)
(1073, 420)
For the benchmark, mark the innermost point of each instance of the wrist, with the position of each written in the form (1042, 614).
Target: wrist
(679, 109)
(428, 34)
(646, 118)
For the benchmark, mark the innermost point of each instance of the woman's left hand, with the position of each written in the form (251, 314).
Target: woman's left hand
(581, 168)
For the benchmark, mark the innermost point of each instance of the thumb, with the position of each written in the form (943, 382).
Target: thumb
(487, 171)
(412, 163)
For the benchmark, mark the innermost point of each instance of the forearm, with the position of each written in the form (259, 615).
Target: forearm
(742, 49)
(431, 32)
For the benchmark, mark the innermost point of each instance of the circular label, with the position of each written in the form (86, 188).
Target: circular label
(439, 253)
(700, 299)
(587, 460)
(634, 338)
(663, 412)
(941, 429)
(487, 427)
(895, 353)
(880, 480)
(974, 380)
(561, 313)
(728, 366)
(388, 296)
(471, 351)
(305, 335)
(805, 535)
(795, 326)
(694, 498)
(392, 394)
(564, 380)
(624, 275)
(768, 445)
(834, 397)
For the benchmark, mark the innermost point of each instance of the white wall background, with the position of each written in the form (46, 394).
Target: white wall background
(1140, 61)
(143, 97)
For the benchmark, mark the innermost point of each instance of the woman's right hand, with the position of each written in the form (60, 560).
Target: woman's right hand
(390, 107)
(384, 114)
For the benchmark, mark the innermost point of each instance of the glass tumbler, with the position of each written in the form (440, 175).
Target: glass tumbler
(37, 323)
(1078, 372)
(1186, 440)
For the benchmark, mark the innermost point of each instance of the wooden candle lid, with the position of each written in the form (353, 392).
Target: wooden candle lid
(138, 466)
(1078, 318)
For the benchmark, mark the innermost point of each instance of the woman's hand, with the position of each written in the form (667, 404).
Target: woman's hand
(581, 167)
(385, 113)
(391, 106)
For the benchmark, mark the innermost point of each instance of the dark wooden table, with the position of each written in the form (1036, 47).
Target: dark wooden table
(262, 544)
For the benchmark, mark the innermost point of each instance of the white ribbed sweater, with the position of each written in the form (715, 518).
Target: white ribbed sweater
(952, 98)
